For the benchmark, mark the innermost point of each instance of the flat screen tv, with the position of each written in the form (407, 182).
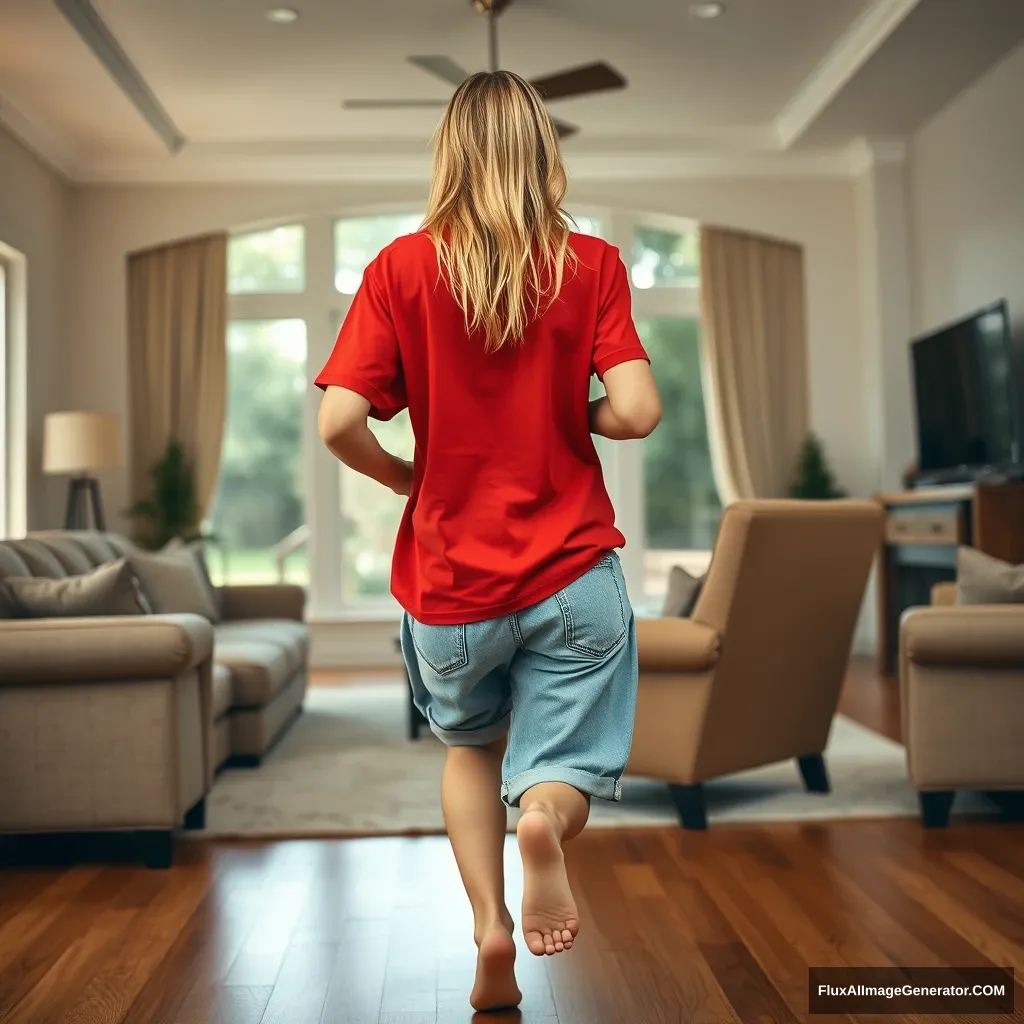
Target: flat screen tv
(966, 398)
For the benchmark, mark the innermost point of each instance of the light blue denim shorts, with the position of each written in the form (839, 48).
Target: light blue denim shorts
(560, 677)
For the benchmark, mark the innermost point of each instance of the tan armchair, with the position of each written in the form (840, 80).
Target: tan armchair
(754, 676)
(961, 700)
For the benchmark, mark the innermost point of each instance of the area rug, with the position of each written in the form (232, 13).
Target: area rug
(345, 768)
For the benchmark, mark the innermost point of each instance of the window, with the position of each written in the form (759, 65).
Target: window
(268, 262)
(357, 240)
(681, 506)
(665, 258)
(3, 396)
(586, 225)
(370, 513)
(260, 498)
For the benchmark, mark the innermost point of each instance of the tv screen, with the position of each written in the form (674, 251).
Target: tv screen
(965, 394)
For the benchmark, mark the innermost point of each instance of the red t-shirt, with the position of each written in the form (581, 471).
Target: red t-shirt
(508, 501)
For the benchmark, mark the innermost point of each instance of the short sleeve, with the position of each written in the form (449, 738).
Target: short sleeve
(616, 340)
(366, 357)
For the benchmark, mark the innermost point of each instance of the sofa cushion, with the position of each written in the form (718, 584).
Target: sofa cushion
(198, 552)
(292, 637)
(38, 558)
(260, 669)
(681, 596)
(174, 583)
(982, 579)
(108, 590)
(223, 690)
(95, 547)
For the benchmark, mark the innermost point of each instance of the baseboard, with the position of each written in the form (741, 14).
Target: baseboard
(353, 644)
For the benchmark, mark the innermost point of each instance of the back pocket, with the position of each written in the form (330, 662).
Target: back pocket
(593, 611)
(442, 648)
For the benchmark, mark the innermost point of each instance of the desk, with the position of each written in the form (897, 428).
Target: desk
(923, 529)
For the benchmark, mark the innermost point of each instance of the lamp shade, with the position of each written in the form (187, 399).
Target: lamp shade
(80, 443)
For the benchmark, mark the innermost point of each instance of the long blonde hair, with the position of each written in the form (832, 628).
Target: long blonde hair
(495, 209)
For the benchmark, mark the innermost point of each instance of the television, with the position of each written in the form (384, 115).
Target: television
(966, 398)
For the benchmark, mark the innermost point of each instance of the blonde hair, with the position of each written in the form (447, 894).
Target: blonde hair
(495, 209)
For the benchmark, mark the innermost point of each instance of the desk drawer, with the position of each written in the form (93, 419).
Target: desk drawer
(907, 526)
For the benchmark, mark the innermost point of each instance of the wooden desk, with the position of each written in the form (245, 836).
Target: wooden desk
(923, 529)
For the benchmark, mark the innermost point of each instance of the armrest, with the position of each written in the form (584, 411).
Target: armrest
(943, 595)
(262, 601)
(676, 645)
(979, 634)
(107, 648)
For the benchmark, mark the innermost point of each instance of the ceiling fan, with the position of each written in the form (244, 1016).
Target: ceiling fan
(578, 81)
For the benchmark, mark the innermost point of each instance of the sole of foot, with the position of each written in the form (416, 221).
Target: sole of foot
(550, 918)
(495, 987)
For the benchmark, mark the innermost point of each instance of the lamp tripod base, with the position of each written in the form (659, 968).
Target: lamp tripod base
(83, 495)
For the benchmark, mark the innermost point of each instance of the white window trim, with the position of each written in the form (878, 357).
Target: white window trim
(14, 395)
(323, 309)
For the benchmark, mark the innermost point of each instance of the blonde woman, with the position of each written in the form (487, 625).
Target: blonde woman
(487, 325)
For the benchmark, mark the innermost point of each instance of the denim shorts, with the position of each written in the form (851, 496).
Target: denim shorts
(560, 677)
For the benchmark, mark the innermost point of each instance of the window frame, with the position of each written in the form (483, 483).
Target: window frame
(14, 394)
(323, 309)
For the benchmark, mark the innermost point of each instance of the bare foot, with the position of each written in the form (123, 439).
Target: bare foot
(495, 987)
(550, 918)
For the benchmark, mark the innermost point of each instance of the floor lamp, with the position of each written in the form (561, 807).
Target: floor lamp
(79, 445)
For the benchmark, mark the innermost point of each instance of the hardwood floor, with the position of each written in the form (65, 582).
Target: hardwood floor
(676, 927)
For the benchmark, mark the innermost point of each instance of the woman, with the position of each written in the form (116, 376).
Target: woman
(488, 325)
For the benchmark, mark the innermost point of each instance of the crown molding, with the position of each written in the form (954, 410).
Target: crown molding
(866, 154)
(45, 143)
(284, 162)
(850, 53)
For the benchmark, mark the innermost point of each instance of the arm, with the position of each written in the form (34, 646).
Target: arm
(343, 428)
(631, 408)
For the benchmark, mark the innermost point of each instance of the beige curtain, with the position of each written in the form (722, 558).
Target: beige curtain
(177, 358)
(755, 361)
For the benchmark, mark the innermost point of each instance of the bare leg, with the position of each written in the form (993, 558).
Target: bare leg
(477, 820)
(552, 813)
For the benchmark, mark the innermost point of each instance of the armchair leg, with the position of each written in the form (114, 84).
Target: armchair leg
(195, 816)
(814, 773)
(156, 848)
(936, 808)
(689, 801)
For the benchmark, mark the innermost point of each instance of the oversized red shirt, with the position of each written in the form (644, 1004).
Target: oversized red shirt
(508, 501)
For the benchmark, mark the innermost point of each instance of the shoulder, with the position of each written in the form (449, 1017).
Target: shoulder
(404, 252)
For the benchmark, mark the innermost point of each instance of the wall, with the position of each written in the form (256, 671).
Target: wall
(35, 210)
(107, 223)
(967, 202)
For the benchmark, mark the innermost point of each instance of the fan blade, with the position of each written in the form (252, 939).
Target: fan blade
(563, 128)
(441, 67)
(578, 81)
(394, 104)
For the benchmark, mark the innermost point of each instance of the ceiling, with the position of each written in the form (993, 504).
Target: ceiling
(254, 99)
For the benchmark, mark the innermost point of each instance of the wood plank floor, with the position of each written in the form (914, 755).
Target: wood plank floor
(676, 927)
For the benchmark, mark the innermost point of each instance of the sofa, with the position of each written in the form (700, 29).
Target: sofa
(753, 675)
(120, 723)
(962, 700)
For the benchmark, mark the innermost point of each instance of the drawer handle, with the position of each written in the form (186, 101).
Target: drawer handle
(936, 527)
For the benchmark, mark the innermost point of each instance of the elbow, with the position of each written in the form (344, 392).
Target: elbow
(332, 428)
(641, 421)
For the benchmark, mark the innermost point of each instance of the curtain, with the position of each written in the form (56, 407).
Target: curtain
(177, 358)
(755, 361)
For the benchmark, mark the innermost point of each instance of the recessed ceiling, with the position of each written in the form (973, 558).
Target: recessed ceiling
(234, 82)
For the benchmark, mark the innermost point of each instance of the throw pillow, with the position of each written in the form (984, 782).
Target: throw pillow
(174, 582)
(982, 579)
(682, 594)
(199, 553)
(111, 589)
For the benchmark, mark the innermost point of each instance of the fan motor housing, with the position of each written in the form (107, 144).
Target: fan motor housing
(490, 6)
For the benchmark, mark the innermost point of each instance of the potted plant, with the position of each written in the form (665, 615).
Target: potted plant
(814, 479)
(172, 512)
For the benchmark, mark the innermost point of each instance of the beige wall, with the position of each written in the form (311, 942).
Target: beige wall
(110, 222)
(967, 202)
(35, 204)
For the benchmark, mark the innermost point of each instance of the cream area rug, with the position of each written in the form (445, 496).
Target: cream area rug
(345, 768)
